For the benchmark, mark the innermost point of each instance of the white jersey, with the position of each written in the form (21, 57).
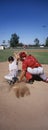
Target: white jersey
(13, 68)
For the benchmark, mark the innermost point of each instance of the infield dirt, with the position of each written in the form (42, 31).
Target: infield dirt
(24, 113)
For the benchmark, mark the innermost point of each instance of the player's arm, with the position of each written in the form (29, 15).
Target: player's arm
(22, 75)
(16, 57)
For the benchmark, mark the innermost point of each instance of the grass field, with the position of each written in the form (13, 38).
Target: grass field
(40, 54)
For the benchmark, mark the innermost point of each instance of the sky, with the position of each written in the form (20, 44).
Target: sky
(27, 18)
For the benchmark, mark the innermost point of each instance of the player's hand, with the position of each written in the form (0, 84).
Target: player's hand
(18, 81)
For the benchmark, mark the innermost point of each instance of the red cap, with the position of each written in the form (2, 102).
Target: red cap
(22, 54)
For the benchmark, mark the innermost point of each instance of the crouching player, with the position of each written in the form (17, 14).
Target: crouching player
(13, 70)
(30, 67)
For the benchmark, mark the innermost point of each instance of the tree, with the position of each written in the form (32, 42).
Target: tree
(21, 44)
(3, 42)
(14, 41)
(36, 41)
(46, 42)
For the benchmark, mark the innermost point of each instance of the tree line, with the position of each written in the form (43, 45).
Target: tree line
(14, 41)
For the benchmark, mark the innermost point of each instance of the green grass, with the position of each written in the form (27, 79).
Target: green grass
(4, 54)
(41, 56)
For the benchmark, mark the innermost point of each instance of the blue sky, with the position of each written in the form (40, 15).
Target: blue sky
(27, 18)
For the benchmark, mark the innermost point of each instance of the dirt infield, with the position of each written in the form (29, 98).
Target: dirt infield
(24, 113)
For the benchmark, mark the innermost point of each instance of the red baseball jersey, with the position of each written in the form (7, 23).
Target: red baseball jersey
(30, 61)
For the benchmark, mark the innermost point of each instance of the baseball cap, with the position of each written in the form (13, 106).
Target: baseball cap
(22, 54)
